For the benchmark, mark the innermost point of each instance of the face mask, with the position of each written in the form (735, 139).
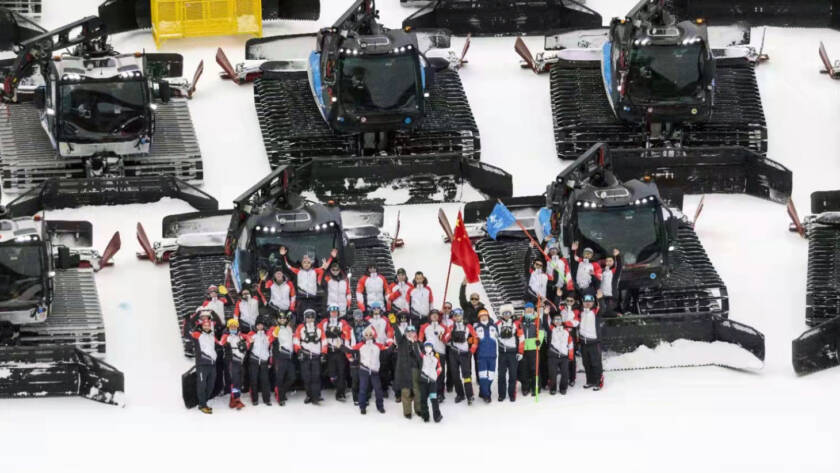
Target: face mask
(373, 274)
(233, 331)
(246, 296)
(206, 329)
(428, 349)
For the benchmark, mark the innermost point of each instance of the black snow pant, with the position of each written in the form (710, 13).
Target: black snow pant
(284, 376)
(427, 393)
(386, 368)
(450, 378)
(558, 365)
(234, 377)
(222, 378)
(310, 371)
(591, 352)
(461, 366)
(527, 371)
(507, 374)
(441, 379)
(354, 381)
(337, 371)
(205, 383)
(368, 380)
(259, 380)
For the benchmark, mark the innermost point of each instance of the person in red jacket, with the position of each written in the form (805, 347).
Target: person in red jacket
(420, 299)
(559, 267)
(236, 347)
(337, 333)
(204, 340)
(259, 357)
(399, 292)
(310, 344)
(216, 300)
(371, 288)
(246, 310)
(432, 332)
(278, 293)
(337, 286)
(538, 281)
(307, 280)
(430, 371)
(586, 271)
(282, 356)
(561, 350)
(462, 344)
(511, 348)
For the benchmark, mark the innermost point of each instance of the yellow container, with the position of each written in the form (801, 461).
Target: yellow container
(191, 18)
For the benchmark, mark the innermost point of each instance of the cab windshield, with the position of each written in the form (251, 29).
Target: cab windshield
(103, 111)
(633, 230)
(21, 274)
(385, 83)
(667, 72)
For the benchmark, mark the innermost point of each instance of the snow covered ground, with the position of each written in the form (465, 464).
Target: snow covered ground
(693, 419)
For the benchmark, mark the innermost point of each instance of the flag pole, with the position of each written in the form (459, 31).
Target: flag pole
(446, 287)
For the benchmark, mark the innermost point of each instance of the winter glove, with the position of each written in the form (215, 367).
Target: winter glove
(518, 357)
(223, 291)
(242, 346)
(392, 318)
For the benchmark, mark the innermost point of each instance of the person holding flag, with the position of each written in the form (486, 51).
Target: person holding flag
(532, 337)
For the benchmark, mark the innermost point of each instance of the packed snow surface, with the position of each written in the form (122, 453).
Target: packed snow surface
(686, 419)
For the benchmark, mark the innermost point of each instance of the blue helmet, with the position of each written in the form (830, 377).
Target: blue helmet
(529, 305)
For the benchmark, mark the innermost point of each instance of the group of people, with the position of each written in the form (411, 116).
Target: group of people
(302, 320)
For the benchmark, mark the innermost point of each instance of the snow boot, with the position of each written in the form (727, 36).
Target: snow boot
(438, 417)
(206, 410)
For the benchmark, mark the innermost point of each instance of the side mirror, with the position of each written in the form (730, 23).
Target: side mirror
(40, 98)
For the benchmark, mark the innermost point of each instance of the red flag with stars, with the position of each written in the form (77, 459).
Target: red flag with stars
(463, 254)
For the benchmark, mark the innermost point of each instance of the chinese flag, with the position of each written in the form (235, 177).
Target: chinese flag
(463, 254)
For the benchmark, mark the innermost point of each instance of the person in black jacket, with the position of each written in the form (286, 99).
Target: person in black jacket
(407, 375)
(205, 361)
(470, 307)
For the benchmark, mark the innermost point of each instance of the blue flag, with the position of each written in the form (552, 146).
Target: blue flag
(543, 224)
(499, 219)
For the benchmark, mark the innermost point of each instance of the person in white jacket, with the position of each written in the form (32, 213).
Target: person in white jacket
(430, 372)
(369, 370)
